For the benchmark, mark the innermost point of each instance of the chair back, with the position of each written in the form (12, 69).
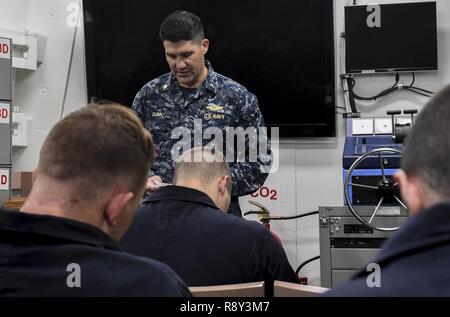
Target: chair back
(286, 289)
(254, 289)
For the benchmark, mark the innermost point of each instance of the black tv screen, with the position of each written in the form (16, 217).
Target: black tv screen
(405, 39)
(282, 51)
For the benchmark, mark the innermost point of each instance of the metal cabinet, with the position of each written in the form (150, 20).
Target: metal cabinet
(5, 119)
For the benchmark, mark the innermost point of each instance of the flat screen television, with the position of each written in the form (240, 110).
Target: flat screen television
(282, 51)
(402, 38)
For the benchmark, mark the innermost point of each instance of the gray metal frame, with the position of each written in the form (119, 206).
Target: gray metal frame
(5, 75)
(5, 129)
(6, 138)
(337, 265)
(5, 194)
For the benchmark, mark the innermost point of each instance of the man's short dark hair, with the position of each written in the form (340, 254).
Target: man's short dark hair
(427, 148)
(181, 26)
(205, 164)
(98, 147)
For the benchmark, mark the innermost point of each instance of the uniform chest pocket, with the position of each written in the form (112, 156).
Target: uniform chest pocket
(160, 126)
(159, 122)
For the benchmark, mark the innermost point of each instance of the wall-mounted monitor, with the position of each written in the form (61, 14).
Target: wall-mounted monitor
(398, 37)
(282, 51)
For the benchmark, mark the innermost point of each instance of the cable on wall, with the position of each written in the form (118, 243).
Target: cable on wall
(395, 87)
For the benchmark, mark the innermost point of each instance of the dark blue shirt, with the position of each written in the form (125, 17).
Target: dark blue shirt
(182, 227)
(415, 261)
(38, 256)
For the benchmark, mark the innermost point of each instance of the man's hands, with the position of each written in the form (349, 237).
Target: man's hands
(154, 183)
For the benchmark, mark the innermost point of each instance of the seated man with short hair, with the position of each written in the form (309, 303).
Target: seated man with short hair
(414, 261)
(89, 180)
(186, 226)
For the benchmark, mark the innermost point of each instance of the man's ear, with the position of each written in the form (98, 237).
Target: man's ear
(223, 184)
(411, 191)
(115, 206)
(205, 46)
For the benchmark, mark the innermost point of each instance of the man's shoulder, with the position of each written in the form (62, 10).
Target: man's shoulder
(229, 84)
(211, 218)
(151, 275)
(140, 264)
(157, 84)
(356, 287)
(239, 225)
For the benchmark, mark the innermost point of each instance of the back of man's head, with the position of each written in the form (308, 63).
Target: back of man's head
(181, 26)
(427, 149)
(97, 146)
(205, 169)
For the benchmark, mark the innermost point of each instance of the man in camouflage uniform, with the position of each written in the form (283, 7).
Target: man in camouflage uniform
(195, 97)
